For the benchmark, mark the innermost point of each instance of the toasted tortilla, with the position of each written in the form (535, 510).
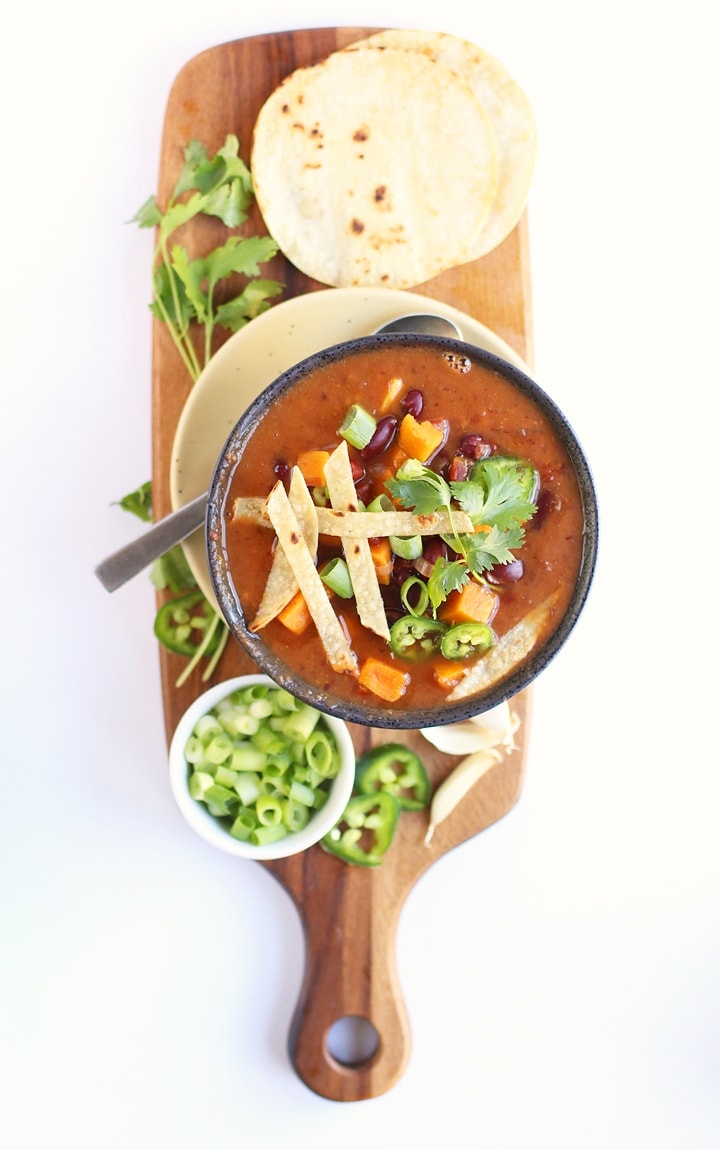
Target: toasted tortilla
(290, 537)
(508, 108)
(374, 168)
(363, 576)
(282, 585)
(366, 524)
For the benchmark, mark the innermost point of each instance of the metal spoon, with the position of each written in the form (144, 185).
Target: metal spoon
(134, 557)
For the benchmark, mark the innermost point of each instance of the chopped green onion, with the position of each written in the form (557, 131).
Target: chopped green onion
(261, 836)
(301, 723)
(261, 762)
(336, 576)
(269, 810)
(414, 583)
(244, 824)
(225, 777)
(248, 758)
(358, 426)
(410, 547)
(320, 754)
(381, 503)
(300, 793)
(295, 815)
(218, 749)
(199, 784)
(247, 787)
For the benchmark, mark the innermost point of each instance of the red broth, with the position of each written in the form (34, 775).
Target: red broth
(479, 403)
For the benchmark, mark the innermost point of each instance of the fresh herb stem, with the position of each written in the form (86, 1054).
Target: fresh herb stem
(184, 294)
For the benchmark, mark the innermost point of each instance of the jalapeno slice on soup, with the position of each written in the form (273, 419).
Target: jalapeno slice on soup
(459, 476)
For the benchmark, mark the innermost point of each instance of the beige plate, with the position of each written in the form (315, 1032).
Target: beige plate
(267, 346)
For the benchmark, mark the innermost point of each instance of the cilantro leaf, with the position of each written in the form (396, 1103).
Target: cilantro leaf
(240, 256)
(194, 155)
(447, 575)
(172, 570)
(139, 502)
(486, 548)
(419, 488)
(178, 214)
(149, 215)
(184, 290)
(229, 202)
(499, 491)
(252, 301)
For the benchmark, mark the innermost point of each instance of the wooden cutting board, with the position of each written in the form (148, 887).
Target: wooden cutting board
(349, 914)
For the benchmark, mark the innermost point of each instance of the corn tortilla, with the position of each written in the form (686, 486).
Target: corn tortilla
(508, 108)
(375, 168)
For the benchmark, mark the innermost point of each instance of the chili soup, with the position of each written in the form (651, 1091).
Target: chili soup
(445, 518)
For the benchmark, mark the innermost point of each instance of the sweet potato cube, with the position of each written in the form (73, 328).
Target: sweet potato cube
(418, 439)
(296, 616)
(384, 680)
(473, 603)
(311, 464)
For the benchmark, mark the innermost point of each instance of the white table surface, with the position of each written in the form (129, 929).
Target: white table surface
(561, 971)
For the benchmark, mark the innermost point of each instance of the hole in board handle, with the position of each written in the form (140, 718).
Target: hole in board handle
(352, 1041)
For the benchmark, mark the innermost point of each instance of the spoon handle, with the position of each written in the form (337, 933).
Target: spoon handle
(130, 560)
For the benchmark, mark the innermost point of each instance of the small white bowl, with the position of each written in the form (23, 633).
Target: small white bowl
(210, 828)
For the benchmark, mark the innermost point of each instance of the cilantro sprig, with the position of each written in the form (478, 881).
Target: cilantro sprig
(185, 290)
(496, 497)
(188, 293)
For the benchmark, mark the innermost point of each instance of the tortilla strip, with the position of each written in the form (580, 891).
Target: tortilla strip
(337, 648)
(508, 652)
(375, 524)
(367, 524)
(251, 507)
(282, 585)
(341, 489)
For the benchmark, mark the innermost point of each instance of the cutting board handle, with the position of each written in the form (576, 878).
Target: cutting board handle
(350, 974)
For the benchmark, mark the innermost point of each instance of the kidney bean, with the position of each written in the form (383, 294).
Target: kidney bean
(434, 549)
(382, 438)
(459, 469)
(402, 570)
(474, 447)
(506, 572)
(358, 471)
(412, 403)
(546, 502)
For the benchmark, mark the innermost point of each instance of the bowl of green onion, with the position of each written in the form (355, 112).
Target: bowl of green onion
(257, 772)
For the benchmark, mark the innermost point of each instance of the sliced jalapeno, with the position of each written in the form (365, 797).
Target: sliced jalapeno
(180, 624)
(413, 637)
(465, 639)
(395, 769)
(365, 830)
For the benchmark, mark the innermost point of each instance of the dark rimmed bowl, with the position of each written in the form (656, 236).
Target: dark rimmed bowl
(367, 713)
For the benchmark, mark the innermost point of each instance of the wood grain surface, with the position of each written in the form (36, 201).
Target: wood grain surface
(349, 914)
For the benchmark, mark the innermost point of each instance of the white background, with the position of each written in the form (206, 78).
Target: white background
(561, 971)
